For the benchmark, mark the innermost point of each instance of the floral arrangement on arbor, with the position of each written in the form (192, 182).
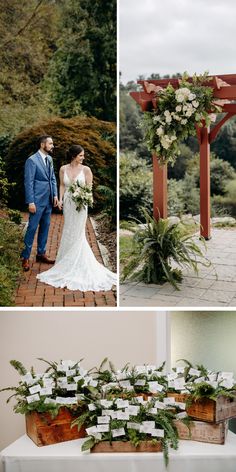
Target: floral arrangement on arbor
(176, 115)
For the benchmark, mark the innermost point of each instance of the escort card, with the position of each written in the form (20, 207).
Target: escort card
(103, 428)
(153, 411)
(103, 419)
(122, 415)
(70, 372)
(181, 405)
(33, 398)
(194, 372)
(46, 391)
(133, 410)
(180, 370)
(158, 433)
(118, 432)
(159, 405)
(125, 383)
(91, 407)
(140, 382)
(181, 415)
(155, 387)
(169, 400)
(93, 383)
(35, 389)
(47, 382)
(122, 403)
(133, 425)
(179, 384)
(71, 387)
(106, 403)
(92, 430)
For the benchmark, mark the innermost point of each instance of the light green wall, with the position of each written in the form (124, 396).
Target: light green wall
(207, 337)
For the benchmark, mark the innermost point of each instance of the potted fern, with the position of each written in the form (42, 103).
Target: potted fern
(156, 246)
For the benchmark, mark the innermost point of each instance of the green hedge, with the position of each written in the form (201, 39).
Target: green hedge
(97, 137)
(10, 266)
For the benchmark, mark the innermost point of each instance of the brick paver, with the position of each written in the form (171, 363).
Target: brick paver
(213, 286)
(32, 292)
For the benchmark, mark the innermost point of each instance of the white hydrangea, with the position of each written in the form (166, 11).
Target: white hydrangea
(166, 141)
(156, 119)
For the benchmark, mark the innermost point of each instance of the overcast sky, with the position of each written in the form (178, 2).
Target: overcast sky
(168, 36)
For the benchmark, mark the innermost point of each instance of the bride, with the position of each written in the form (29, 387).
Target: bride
(76, 266)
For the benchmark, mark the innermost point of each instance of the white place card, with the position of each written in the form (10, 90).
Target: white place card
(35, 389)
(33, 398)
(132, 425)
(91, 407)
(179, 384)
(46, 391)
(92, 430)
(153, 411)
(194, 372)
(140, 382)
(118, 432)
(125, 383)
(120, 403)
(27, 378)
(158, 433)
(180, 370)
(122, 415)
(133, 410)
(155, 387)
(159, 405)
(103, 419)
(106, 403)
(103, 428)
(181, 415)
(169, 400)
(71, 387)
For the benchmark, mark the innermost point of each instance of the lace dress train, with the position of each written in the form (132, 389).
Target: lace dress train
(76, 266)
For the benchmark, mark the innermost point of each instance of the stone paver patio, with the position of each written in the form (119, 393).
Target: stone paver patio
(213, 286)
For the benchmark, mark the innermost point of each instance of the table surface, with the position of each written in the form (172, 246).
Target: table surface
(24, 455)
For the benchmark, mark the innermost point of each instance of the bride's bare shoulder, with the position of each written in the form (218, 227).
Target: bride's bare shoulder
(87, 169)
(62, 168)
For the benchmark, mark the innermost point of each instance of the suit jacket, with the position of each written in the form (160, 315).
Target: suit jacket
(40, 182)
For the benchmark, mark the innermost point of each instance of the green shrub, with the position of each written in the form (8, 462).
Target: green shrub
(135, 186)
(15, 216)
(10, 247)
(97, 137)
(226, 204)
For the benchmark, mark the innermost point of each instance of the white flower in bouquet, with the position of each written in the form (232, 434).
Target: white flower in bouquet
(81, 195)
(160, 131)
(195, 103)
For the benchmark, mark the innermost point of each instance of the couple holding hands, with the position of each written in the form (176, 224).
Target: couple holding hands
(75, 267)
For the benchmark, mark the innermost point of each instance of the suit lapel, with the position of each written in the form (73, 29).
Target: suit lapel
(41, 164)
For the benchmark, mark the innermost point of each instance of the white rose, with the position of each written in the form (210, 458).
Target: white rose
(183, 122)
(191, 96)
(159, 131)
(168, 119)
(166, 113)
(189, 113)
(178, 108)
(195, 103)
(212, 117)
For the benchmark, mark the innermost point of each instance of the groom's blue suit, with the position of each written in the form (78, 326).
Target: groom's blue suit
(40, 189)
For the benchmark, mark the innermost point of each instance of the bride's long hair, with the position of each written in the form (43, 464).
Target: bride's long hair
(73, 151)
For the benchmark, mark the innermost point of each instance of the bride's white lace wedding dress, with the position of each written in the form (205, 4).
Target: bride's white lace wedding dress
(76, 266)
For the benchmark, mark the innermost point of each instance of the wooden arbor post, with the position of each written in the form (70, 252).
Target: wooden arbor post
(224, 87)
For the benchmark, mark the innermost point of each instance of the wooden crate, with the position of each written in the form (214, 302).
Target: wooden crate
(209, 410)
(45, 430)
(203, 432)
(126, 446)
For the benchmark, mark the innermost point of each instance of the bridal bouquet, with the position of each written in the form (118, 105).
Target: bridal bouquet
(81, 195)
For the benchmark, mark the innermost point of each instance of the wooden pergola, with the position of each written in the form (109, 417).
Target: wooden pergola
(224, 89)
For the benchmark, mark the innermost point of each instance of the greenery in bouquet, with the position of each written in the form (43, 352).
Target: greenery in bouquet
(134, 420)
(199, 382)
(81, 195)
(177, 114)
(156, 245)
(63, 384)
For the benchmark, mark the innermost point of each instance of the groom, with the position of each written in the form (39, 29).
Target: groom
(41, 196)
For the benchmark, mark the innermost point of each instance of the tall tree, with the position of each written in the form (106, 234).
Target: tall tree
(83, 70)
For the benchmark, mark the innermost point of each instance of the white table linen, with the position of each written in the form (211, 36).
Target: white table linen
(24, 456)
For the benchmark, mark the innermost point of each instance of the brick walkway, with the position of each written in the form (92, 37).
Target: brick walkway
(32, 292)
(213, 286)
